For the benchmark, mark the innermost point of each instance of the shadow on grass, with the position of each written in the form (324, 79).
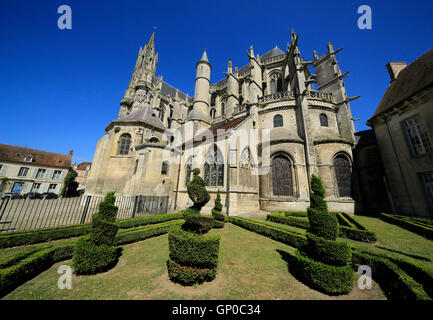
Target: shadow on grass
(405, 254)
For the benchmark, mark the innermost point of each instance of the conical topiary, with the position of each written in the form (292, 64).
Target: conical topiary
(323, 263)
(216, 212)
(193, 253)
(97, 252)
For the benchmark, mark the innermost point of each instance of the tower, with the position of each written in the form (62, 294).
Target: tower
(232, 89)
(138, 94)
(200, 110)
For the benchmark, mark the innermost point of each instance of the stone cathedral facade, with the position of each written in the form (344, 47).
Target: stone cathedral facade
(257, 135)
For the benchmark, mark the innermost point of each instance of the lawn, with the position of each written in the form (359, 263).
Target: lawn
(250, 267)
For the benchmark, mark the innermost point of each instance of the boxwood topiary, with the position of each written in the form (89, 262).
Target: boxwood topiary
(193, 256)
(322, 262)
(97, 252)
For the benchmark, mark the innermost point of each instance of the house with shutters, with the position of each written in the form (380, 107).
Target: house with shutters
(25, 170)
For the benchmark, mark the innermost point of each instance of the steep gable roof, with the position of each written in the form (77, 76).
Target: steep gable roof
(416, 77)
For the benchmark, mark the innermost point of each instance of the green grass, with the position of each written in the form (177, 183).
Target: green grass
(250, 267)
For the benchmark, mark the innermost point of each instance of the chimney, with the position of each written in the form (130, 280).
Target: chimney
(394, 69)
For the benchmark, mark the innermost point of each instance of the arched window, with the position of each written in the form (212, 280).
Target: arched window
(282, 180)
(273, 86)
(343, 176)
(278, 121)
(154, 140)
(279, 84)
(124, 143)
(164, 167)
(214, 167)
(223, 109)
(212, 113)
(323, 120)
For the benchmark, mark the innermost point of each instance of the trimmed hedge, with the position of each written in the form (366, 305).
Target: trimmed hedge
(188, 276)
(91, 259)
(218, 224)
(421, 229)
(396, 284)
(217, 215)
(363, 234)
(144, 232)
(290, 238)
(195, 222)
(289, 220)
(27, 268)
(323, 223)
(18, 238)
(323, 277)
(188, 249)
(327, 251)
(358, 235)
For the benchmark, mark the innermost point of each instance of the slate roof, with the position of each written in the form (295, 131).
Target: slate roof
(16, 154)
(272, 53)
(146, 114)
(416, 77)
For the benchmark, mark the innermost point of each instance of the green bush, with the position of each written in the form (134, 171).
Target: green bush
(323, 224)
(218, 224)
(144, 232)
(18, 238)
(290, 238)
(89, 258)
(103, 231)
(358, 235)
(295, 213)
(289, 220)
(217, 215)
(189, 249)
(97, 252)
(30, 266)
(414, 226)
(195, 222)
(197, 191)
(323, 277)
(317, 197)
(327, 251)
(218, 206)
(396, 284)
(189, 276)
(135, 222)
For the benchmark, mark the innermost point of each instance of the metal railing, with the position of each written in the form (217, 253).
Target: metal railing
(26, 214)
(277, 96)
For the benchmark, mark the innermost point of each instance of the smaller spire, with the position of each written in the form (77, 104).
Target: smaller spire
(204, 57)
(229, 66)
(251, 51)
(316, 56)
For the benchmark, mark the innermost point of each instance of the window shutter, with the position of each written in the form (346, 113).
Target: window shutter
(62, 175)
(35, 172)
(49, 174)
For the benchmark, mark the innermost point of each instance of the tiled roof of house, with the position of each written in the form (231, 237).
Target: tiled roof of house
(17, 154)
(416, 77)
(83, 165)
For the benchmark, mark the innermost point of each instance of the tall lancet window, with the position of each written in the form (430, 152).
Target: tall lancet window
(188, 170)
(161, 113)
(124, 143)
(214, 167)
(278, 120)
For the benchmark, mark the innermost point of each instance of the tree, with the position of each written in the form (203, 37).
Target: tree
(193, 254)
(323, 263)
(97, 251)
(70, 186)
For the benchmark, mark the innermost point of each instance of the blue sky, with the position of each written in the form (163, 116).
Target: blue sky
(59, 89)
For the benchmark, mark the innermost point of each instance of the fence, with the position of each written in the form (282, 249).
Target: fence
(25, 214)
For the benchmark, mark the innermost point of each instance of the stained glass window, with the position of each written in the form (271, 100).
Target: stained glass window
(125, 143)
(343, 175)
(282, 180)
